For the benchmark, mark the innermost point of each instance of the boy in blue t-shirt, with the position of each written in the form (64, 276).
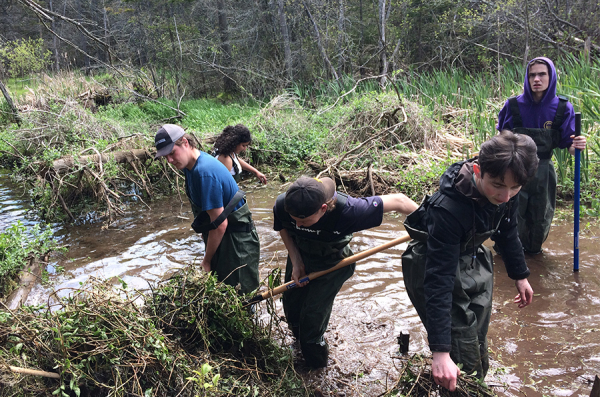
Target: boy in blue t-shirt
(231, 244)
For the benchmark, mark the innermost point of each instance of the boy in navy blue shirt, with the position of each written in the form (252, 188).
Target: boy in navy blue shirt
(316, 224)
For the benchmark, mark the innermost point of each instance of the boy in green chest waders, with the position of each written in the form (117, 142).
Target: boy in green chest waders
(448, 272)
(316, 225)
(220, 210)
(550, 121)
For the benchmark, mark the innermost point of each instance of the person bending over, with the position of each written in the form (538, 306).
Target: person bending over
(448, 273)
(316, 224)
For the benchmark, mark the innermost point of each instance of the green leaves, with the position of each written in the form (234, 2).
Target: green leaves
(25, 56)
(17, 243)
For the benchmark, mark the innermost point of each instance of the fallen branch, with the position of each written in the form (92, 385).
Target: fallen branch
(65, 164)
(34, 372)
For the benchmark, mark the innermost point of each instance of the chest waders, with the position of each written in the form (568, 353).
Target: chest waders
(537, 199)
(236, 259)
(308, 309)
(473, 282)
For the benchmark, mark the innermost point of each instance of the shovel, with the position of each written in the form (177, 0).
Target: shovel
(344, 262)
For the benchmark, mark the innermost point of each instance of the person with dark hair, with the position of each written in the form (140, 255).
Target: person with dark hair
(220, 210)
(232, 141)
(316, 224)
(448, 273)
(550, 120)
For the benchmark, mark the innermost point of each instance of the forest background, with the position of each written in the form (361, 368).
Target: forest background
(343, 86)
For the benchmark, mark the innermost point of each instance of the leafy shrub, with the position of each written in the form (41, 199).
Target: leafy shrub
(16, 245)
(25, 56)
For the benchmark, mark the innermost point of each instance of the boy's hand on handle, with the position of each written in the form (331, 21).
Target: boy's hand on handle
(298, 273)
(445, 372)
(525, 296)
(579, 142)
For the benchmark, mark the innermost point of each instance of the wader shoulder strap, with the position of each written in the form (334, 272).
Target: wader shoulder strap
(202, 228)
(560, 113)
(236, 169)
(334, 216)
(513, 105)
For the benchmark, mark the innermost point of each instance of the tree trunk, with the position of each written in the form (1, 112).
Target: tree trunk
(526, 53)
(383, 63)
(229, 85)
(287, 51)
(66, 164)
(54, 43)
(320, 44)
(83, 40)
(11, 105)
(176, 65)
(341, 51)
(587, 47)
(106, 33)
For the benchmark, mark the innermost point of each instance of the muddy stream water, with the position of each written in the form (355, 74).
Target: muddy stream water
(551, 348)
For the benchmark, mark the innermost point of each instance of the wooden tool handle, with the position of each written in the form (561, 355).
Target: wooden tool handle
(344, 262)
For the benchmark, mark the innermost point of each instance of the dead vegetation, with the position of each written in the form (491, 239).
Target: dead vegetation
(83, 167)
(188, 336)
(374, 147)
(76, 165)
(416, 380)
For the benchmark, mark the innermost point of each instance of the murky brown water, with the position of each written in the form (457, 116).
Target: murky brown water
(550, 348)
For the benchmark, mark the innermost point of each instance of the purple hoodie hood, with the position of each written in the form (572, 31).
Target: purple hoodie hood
(550, 93)
(538, 115)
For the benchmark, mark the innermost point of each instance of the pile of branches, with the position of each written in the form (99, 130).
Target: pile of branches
(416, 380)
(190, 336)
(79, 167)
(384, 140)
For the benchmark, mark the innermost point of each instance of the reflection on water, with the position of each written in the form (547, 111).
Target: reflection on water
(13, 203)
(549, 348)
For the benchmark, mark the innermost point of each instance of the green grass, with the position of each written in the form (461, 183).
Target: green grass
(210, 117)
(204, 116)
(19, 87)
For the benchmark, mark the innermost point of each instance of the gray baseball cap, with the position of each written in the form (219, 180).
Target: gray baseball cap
(165, 139)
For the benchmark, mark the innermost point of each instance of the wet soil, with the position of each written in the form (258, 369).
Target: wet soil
(549, 348)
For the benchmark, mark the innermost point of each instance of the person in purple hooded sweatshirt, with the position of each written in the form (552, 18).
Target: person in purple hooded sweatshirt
(550, 121)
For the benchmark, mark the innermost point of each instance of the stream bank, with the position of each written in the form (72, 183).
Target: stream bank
(548, 348)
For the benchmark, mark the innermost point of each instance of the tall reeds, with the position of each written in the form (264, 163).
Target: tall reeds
(480, 96)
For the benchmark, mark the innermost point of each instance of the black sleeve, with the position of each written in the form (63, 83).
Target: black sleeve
(278, 210)
(507, 238)
(443, 250)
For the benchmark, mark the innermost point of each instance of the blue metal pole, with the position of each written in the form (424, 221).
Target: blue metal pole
(576, 203)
